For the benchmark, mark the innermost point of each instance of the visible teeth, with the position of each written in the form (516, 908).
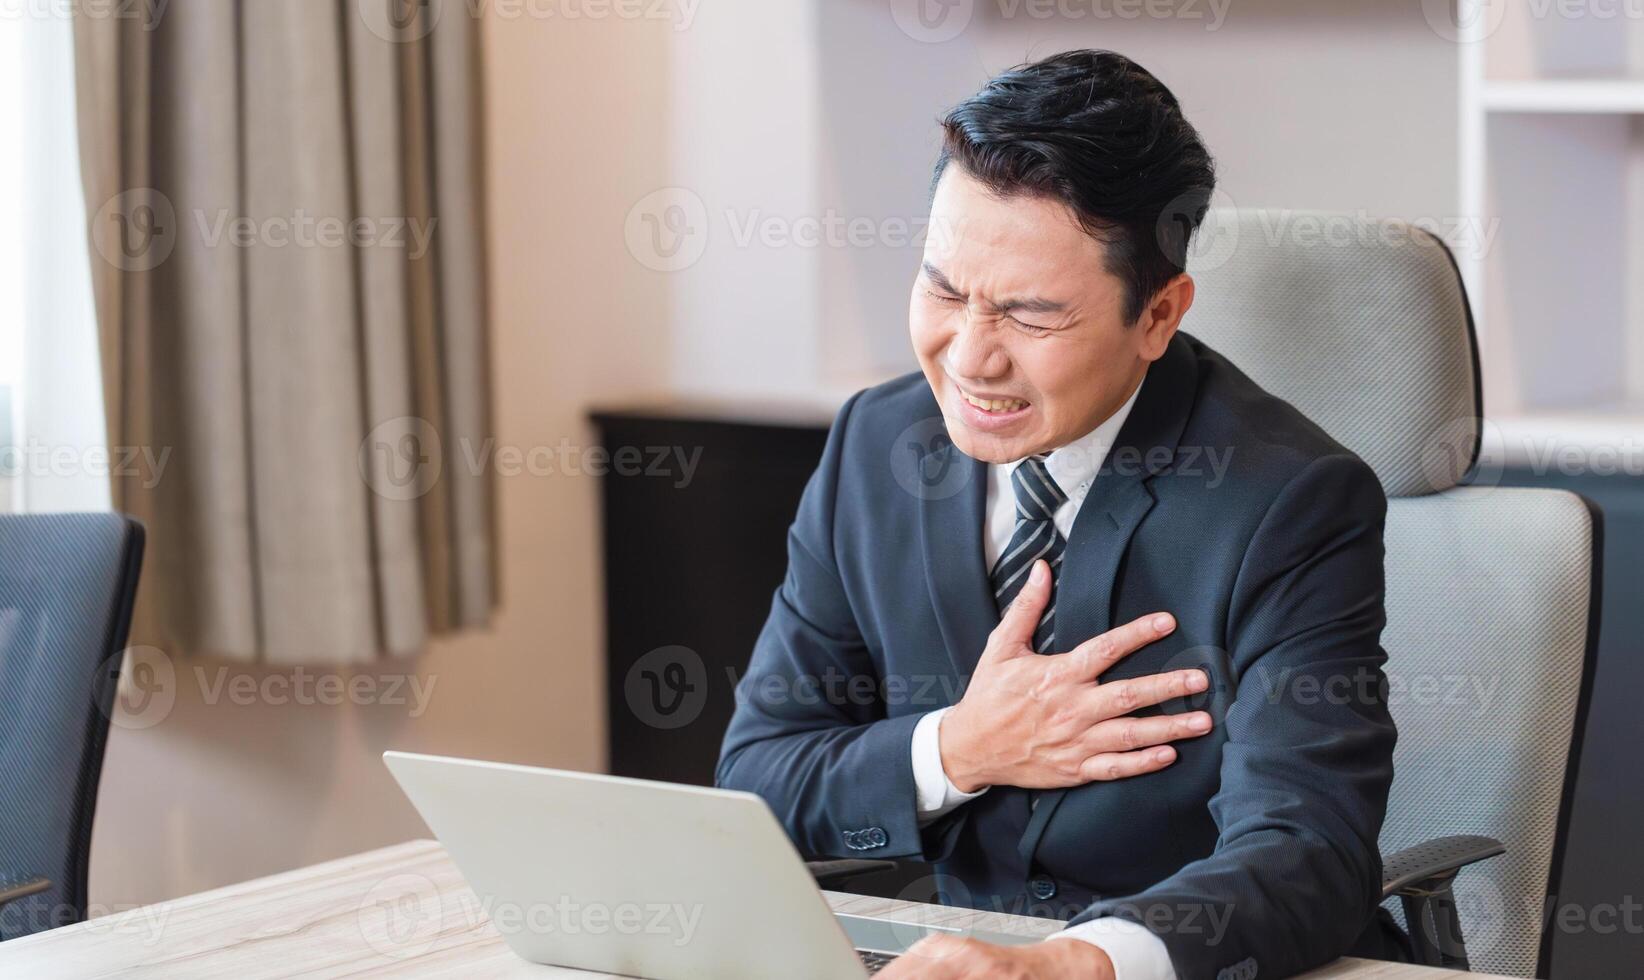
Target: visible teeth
(994, 404)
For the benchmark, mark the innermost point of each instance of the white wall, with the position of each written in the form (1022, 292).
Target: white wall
(744, 142)
(1346, 106)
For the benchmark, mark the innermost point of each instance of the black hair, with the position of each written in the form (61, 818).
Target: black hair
(1099, 133)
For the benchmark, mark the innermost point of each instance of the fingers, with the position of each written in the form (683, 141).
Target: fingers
(1021, 618)
(1116, 698)
(932, 957)
(1094, 656)
(1131, 734)
(1108, 766)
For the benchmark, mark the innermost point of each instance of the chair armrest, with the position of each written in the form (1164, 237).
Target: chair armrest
(1414, 870)
(831, 874)
(15, 886)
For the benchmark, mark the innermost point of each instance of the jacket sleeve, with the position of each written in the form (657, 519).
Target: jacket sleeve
(809, 732)
(1307, 763)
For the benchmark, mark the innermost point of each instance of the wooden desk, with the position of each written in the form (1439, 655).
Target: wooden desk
(398, 911)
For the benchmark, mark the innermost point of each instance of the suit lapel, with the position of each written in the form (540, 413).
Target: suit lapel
(950, 534)
(1090, 564)
(1118, 500)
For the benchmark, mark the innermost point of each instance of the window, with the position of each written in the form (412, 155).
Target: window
(11, 261)
(53, 453)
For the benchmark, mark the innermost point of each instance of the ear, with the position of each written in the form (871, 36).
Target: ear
(1163, 315)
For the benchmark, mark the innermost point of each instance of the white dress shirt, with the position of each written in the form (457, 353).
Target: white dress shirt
(1137, 953)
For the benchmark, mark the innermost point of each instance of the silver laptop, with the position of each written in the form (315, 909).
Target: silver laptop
(641, 878)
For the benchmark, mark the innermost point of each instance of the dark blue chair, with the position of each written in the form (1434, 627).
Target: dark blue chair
(67, 582)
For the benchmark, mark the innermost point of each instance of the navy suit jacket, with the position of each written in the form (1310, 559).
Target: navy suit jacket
(1220, 503)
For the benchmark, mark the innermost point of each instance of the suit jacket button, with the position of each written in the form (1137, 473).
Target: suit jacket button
(853, 839)
(1042, 888)
(875, 837)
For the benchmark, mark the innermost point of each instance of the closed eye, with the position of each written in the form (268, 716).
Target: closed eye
(942, 297)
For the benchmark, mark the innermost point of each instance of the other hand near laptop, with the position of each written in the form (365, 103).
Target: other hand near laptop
(953, 957)
(1042, 721)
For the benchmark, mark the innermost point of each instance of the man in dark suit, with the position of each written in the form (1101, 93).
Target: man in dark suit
(1080, 613)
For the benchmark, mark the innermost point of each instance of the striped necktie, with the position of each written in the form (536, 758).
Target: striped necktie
(1037, 498)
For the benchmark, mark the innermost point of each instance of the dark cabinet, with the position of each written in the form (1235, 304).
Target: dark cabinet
(695, 534)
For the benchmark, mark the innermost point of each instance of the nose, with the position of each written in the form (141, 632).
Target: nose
(973, 354)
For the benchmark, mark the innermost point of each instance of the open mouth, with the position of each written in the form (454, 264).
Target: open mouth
(993, 406)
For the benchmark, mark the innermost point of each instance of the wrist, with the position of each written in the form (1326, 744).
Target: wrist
(953, 746)
(1069, 957)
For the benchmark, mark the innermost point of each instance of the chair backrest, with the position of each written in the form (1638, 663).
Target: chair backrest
(66, 588)
(1491, 592)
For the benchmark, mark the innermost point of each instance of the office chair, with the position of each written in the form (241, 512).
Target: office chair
(66, 587)
(1492, 593)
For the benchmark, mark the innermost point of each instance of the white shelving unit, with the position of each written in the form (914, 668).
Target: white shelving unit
(1552, 174)
(1565, 96)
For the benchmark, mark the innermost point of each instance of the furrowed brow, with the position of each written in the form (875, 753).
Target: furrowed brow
(939, 280)
(1026, 304)
(1031, 304)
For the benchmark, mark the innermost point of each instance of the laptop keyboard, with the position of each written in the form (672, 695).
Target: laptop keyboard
(874, 961)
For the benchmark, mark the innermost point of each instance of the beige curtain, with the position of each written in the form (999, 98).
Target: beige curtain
(285, 208)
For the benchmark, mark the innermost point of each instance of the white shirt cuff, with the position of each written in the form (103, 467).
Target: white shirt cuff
(937, 794)
(1137, 953)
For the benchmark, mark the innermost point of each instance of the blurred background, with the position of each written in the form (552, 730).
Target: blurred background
(437, 342)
